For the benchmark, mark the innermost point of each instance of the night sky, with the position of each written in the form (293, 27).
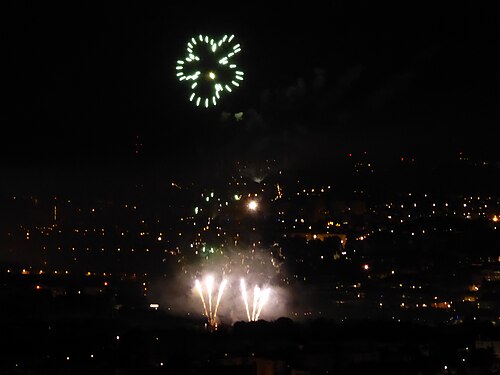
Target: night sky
(88, 84)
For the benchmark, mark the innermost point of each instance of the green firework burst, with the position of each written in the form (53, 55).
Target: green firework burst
(210, 69)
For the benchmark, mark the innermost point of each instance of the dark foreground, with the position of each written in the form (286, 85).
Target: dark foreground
(149, 341)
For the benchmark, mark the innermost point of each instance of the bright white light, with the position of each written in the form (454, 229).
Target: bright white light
(210, 309)
(260, 298)
(252, 205)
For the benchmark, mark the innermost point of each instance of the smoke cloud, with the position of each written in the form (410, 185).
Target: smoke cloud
(258, 267)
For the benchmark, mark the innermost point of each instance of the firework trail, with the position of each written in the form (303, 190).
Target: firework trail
(219, 296)
(200, 291)
(260, 298)
(210, 283)
(256, 294)
(210, 312)
(245, 296)
(263, 297)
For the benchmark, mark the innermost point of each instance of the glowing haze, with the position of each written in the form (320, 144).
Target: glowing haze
(212, 288)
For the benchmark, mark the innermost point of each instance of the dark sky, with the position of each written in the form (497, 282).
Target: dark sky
(85, 82)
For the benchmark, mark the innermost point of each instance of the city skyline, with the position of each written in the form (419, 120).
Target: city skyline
(335, 210)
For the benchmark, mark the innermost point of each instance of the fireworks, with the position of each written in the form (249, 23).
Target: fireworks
(252, 205)
(260, 298)
(211, 301)
(210, 311)
(209, 68)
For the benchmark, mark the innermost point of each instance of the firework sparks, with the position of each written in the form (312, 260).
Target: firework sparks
(209, 282)
(219, 295)
(260, 298)
(252, 205)
(210, 312)
(200, 292)
(245, 296)
(256, 295)
(209, 69)
(263, 297)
